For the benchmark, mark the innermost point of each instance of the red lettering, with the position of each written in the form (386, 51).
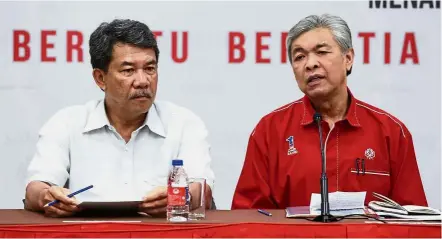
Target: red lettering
(233, 47)
(366, 36)
(157, 33)
(71, 46)
(175, 57)
(409, 42)
(21, 44)
(260, 47)
(45, 45)
(283, 47)
(387, 48)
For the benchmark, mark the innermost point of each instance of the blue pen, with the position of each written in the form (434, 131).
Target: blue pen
(264, 212)
(70, 195)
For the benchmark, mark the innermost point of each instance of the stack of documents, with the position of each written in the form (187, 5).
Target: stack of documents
(340, 204)
(386, 208)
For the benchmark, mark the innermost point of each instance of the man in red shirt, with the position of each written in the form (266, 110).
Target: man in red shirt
(366, 148)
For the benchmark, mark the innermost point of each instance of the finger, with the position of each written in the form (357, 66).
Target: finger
(60, 205)
(55, 212)
(157, 193)
(156, 211)
(47, 198)
(66, 207)
(144, 214)
(67, 192)
(58, 193)
(154, 204)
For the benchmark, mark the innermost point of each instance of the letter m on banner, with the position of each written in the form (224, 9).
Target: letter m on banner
(377, 4)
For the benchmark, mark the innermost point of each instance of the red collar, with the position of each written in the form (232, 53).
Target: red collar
(351, 116)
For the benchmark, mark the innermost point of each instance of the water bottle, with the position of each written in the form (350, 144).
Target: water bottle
(178, 193)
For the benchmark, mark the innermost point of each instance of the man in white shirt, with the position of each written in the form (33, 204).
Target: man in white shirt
(124, 144)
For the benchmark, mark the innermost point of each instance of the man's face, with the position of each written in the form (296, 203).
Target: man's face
(131, 79)
(318, 63)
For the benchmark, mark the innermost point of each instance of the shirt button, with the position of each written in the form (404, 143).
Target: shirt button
(126, 149)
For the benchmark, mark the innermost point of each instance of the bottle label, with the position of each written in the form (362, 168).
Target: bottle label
(177, 196)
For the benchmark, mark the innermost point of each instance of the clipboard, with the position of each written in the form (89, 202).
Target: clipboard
(109, 205)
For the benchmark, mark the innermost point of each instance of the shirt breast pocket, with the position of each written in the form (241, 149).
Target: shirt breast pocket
(369, 172)
(370, 176)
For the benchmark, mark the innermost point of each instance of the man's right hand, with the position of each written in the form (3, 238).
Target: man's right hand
(66, 207)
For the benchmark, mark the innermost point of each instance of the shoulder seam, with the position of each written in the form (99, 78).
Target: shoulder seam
(286, 107)
(383, 113)
(277, 110)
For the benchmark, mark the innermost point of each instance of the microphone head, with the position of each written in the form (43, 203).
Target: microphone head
(317, 117)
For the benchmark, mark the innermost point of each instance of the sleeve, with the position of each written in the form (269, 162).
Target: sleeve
(195, 150)
(50, 162)
(407, 188)
(253, 189)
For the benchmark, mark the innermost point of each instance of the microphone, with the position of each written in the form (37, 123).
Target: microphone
(325, 207)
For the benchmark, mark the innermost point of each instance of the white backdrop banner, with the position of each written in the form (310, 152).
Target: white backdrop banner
(225, 61)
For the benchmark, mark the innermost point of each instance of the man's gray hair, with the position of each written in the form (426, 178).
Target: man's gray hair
(338, 27)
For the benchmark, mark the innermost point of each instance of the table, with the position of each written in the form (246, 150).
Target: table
(219, 223)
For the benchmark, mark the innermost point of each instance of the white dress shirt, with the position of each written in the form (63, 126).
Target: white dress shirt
(79, 145)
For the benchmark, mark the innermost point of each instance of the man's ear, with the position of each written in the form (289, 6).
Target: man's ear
(349, 59)
(98, 75)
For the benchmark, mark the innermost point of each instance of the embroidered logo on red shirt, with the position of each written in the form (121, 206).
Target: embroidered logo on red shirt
(369, 153)
(292, 150)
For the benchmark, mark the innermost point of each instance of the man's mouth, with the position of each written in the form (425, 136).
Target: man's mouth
(141, 95)
(314, 78)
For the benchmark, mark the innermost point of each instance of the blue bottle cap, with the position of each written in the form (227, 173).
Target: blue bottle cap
(177, 162)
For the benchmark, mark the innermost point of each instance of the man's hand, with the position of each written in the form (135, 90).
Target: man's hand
(155, 203)
(66, 207)
(195, 195)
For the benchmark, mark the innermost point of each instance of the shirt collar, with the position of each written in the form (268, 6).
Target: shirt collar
(98, 119)
(153, 121)
(351, 116)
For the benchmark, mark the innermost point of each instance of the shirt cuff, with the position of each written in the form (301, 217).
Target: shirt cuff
(44, 178)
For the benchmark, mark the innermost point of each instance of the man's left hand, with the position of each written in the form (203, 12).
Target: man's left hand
(155, 203)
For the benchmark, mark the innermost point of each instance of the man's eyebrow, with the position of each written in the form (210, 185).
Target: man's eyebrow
(126, 63)
(319, 45)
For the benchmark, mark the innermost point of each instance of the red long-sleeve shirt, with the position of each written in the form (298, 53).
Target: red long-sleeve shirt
(282, 167)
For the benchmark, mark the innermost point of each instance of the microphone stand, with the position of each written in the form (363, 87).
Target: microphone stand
(325, 207)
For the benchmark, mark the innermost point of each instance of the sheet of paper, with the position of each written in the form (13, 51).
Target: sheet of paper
(343, 212)
(339, 200)
(405, 222)
(104, 192)
(305, 211)
(410, 217)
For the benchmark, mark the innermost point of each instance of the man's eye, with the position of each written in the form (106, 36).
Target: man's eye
(127, 71)
(299, 57)
(150, 69)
